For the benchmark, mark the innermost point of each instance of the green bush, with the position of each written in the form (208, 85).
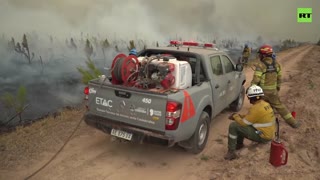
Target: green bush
(88, 49)
(288, 43)
(88, 74)
(16, 102)
(131, 45)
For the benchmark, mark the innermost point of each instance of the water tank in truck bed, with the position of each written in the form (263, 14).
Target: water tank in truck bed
(182, 73)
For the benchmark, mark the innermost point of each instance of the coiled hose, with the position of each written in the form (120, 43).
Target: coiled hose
(117, 69)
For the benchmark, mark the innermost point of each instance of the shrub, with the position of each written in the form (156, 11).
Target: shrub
(16, 102)
(131, 45)
(91, 73)
(88, 49)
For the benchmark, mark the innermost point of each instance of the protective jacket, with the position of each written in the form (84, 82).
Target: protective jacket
(267, 75)
(246, 52)
(261, 117)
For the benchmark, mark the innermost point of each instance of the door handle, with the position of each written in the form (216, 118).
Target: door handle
(217, 86)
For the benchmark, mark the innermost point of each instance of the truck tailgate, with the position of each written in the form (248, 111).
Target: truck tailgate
(141, 109)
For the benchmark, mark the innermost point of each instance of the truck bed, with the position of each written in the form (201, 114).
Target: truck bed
(144, 108)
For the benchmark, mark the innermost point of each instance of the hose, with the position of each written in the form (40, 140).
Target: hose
(117, 69)
(66, 142)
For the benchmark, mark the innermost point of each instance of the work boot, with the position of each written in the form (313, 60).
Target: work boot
(298, 124)
(239, 146)
(230, 155)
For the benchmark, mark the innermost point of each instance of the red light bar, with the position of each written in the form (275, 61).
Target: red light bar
(190, 43)
(174, 42)
(210, 45)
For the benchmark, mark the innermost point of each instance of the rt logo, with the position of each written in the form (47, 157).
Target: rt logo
(304, 15)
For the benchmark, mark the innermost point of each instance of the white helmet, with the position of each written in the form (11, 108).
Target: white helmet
(254, 91)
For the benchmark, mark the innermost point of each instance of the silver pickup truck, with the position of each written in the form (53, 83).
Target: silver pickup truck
(166, 93)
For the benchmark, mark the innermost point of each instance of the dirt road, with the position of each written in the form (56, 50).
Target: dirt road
(92, 155)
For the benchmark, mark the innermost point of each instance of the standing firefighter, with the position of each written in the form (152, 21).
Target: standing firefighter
(267, 75)
(257, 125)
(246, 54)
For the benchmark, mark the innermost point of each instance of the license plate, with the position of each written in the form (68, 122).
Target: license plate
(121, 134)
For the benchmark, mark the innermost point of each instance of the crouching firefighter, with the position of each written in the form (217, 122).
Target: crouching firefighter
(257, 125)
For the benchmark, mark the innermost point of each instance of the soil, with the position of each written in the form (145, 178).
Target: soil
(92, 154)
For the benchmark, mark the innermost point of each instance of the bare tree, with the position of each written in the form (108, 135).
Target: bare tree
(24, 49)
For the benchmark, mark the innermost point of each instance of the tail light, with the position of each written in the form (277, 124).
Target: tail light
(86, 92)
(173, 115)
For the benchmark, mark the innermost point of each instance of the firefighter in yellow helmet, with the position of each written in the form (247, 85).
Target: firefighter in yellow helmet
(257, 125)
(267, 75)
(246, 54)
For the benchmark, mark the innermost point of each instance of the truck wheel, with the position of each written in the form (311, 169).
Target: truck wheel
(238, 103)
(241, 60)
(200, 137)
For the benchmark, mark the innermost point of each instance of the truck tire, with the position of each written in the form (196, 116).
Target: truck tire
(240, 60)
(238, 103)
(200, 137)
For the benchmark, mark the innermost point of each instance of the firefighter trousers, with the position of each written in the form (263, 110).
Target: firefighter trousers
(237, 133)
(272, 97)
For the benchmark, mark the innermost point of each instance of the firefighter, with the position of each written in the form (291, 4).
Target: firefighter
(257, 125)
(133, 52)
(246, 54)
(267, 75)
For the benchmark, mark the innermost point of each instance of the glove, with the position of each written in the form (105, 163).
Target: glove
(231, 116)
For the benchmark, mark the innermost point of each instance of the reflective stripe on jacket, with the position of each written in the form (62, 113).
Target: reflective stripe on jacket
(261, 117)
(267, 80)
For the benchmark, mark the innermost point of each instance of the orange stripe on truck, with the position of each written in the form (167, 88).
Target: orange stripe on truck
(188, 110)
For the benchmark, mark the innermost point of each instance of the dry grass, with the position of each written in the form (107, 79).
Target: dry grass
(47, 135)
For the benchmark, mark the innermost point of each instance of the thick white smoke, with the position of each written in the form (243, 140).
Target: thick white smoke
(154, 19)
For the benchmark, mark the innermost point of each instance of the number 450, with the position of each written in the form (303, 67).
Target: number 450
(146, 100)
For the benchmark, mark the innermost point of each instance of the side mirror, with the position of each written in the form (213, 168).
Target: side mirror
(239, 67)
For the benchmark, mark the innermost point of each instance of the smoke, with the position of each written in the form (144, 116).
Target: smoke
(154, 20)
(48, 24)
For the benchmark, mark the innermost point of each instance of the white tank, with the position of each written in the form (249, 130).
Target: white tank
(140, 58)
(182, 73)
